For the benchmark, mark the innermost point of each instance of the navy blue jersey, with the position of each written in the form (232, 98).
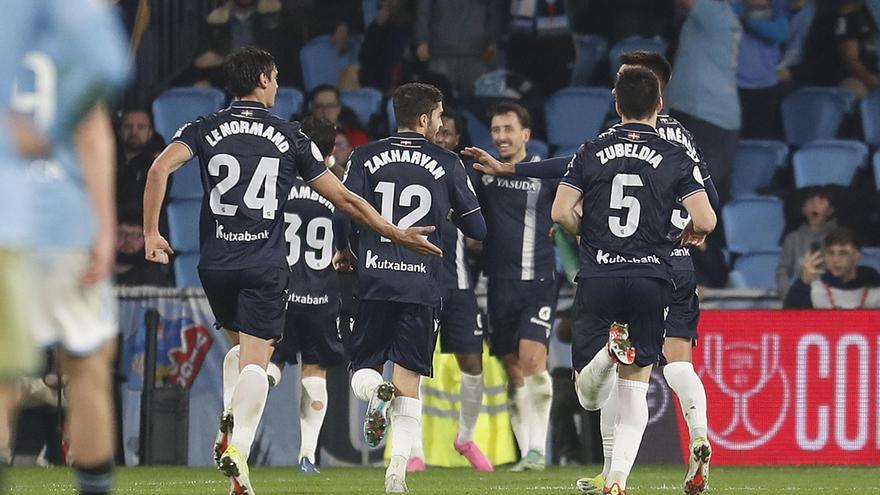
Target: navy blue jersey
(631, 179)
(249, 159)
(517, 212)
(456, 273)
(411, 182)
(308, 220)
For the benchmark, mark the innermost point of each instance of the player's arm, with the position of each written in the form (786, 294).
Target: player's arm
(702, 215)
(565, 208)
(360, 211)
(174, 156)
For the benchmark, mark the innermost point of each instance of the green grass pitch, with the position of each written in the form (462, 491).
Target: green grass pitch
(646, 480)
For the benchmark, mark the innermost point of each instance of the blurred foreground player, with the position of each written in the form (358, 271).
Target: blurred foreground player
(249, 161)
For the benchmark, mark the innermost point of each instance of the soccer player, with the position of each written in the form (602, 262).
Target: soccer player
(627, 182)
(413, 182)
(684, 309)
(461, 327)
(249, 160)
(520, 263)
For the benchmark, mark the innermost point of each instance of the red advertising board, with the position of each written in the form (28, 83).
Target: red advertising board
(791, 387)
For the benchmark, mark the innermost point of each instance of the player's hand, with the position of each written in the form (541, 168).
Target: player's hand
(101, 258)
(343, 261)
(811, 267)
(414, 238)
(689, 237)
(157, 249)
(487, 163)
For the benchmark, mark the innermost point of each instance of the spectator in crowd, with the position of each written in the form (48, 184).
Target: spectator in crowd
(765, 28)
(131, 268)
(458, 38)
(819, 221)
(856, 36)
(385, 55)
(702, 95)
(326, 104)
(801, 13)
(831, 278)
(342, 149)
(138, 145)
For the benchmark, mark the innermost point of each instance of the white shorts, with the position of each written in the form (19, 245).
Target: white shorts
(80, 318)
(18, 354)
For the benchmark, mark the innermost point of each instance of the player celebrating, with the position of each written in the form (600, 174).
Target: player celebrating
(249, 158)
(413, 182)
(629, 180)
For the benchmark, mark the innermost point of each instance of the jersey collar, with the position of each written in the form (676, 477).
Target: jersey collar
(245, 106)
(635, 127)
(408, 135)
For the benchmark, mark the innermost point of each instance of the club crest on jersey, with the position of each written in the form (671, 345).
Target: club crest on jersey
(633, 135)
(247, 113)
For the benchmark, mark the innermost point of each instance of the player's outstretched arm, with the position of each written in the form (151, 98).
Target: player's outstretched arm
(551, 168)
(565, 208)
(172, 158)
(361, 212)
(487, 163)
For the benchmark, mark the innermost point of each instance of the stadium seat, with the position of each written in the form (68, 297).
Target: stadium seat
(755, 164)
(871, 257)
(877, 169)
(364, 102)
(755, 270)
(655, 44)
(186, 272)
(870, 108)
(479, 131)
(828, 162)
(809, 114)
(186, 183)
(183, 224)
(288, 102)
(177, 106)
(576, 114)
(538, 147)
(321, 64)
(589, 50)
(753, 224)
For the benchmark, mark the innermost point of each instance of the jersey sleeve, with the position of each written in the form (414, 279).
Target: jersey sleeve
(551, 168)
(188, 135)
(464, 196)
(575, 176)
(308, 158)
(354, 175)
(691, 179)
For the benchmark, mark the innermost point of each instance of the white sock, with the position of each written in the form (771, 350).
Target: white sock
(230, 375)
(248, 401)
(686, 384)
(539, 388)
(364, 383)
(632, 418)
(519, 419)
(593, 384)
(607, 420)
(274, 372)
(406, 426)
(418, 447)
(471, 402)
(312, 408)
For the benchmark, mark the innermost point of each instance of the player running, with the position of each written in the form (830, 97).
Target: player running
(249, 160)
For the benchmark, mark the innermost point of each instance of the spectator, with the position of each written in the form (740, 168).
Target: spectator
(384, 56)
(342, 149)
(458, 38)
(138, 146)
(802, 13)
(132, 268)
(702, 95)
(819, 221)
(325, 103)
(765, 27)
(832, 279)
(856, 37)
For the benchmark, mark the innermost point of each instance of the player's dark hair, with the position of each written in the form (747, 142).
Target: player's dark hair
(242, 69)
(456, 118)
(412, 100)
(515, 108)
(638, 92)
(322, 132)
(652, 61)
(842, 236)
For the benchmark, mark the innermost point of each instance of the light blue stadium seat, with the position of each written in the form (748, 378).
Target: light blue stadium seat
(655, 44)
(755, 164)
(574, 115)
(478, 130)
(364, 102)
(753, 224)
(870, 109)
(871, 257)
(321, 64)
(589, 50)
(183, 224)
(755, 270)
(877, 169)
(186, 183)
(186, 272)
(288, 102)
(538, 147)
(177, 106)
(828, 162)
(814, 113)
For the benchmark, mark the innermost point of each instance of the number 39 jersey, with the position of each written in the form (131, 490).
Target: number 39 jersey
(308, 230)
(249, 159)
(630, 178)
(412, 183)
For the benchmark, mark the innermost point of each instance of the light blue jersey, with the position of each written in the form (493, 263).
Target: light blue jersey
(76, 52)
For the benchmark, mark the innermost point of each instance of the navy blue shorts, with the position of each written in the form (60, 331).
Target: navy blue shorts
(311, 331)
(638, 301)
(251, 301)
(402, 333)
(520, 309)
(684, 307)
(461, 324)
